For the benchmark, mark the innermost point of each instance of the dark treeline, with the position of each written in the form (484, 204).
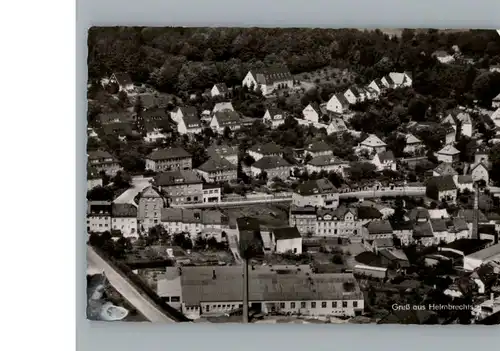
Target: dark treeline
(190, 59)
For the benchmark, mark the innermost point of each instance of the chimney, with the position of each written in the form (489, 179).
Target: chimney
(214, 276)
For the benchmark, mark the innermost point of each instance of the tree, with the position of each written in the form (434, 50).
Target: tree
(361, 171)
(121, 180)
(100, 193)
(337, 259)
(494, 158)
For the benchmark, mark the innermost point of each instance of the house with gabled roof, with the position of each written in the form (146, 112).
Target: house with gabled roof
(378, 229)
(122, 130)
(103, 161)
(273, 166)
(123, 80)
(337, 125)
(448, 154)
(219, 89)
(373, 144)
(312, 112)
(218, 169)
(339, 222)
(401, 79)
(268, 149)
(480, 172)
(274, 117)
(269, 79)
(413, 144)
(180, 186)
(377, 85)
(450, 120)
(337, 103)
(384, 160)
(317, 193)
(226, 118)
(318, 148)
(169, 159)
(353, 95)
(149, 209)
(187, 120)
(495, 102)
(327, 163)
(154, 132)
(388, 82)
(482, 155)
(495, 117)
(442, 188)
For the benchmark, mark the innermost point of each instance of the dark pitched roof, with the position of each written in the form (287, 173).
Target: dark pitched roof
(157, 114)
(442, 183)
(267, 149)
(468, 215)
(379, 227)
(445, 168)
(222, 150)
(188, 111)
(464, 179)
(168, 153)
(342, 99)
(423, 230)
(325, 160)
(123, 210)
(123, 78)
(418, 213)
(319, 186)
(368, 258)
(227, 118)
(318, 146)
(286, 233)
(120, 128)
(467, 246)
(270, 162)
(217, 164)
(386, 156)
(274, 111)
(222, 87)
(270, 75)
(439, 225)
(389, 80)
(99, 154)
(179, 177)
(366, 212)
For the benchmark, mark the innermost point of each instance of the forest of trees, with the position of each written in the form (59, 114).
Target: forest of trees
(190, 59)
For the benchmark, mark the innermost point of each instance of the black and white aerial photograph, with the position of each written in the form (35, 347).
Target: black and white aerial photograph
(293, 175)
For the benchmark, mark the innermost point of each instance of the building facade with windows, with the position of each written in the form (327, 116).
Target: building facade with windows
(149, 210)
(341, 222)
(180, 187)
(98, 216)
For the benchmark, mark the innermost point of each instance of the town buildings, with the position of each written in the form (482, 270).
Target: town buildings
(373, 144)
(180, 187)
(327, 163)
(169, 159)
(272, 166)
(274, 117)
(98, 216)
(149, 209)
(448, 154)
(284, 240)
(268, 80)
(103, 161)
(269, 149)
(340, 222)
(219, 90)
(218, 169)
(228, 152)
(317, 193)
(318, 148)
(124, 219)
(337, 103)
(304, 218)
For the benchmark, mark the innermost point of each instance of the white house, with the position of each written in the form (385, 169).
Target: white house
(312, 112)
(442, 188)
(341, 222)
(269, 79)
(124, 219)
(450, 120)
(269, 149)
(495, 68)
(377, 85)
(448, 154)
(384, 160)
(274, 117)
(337, 103)
(388, 82)
(318, 148)
(337, 125)
(464, 182)
(480, 172)
(226, 118)
(373, 144)
(401, 79)
(98, 216)
(478, 258)
(353, 95)
(495, 117)
(187, 120)
(285, 240)
(413, 144)
(219, 90)
(153, 133)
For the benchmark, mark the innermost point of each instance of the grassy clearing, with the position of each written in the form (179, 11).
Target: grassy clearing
(327, 75)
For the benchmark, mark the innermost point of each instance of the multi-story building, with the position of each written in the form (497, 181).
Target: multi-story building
(286, 240)
(103, 161)
(187, 120)
(269, 149)
(341, 222)
(269, 80)
(149, 211)
(218, 169)
(204, 291)
(304, 218)
(318, 148)
(194, 222)
(211, 193)
(273, 167)
(98, 216)
(124, 219)
(327, 163)
(274, 117)
(169, 159)
(317, 193)
(180, 187)
(373, 144)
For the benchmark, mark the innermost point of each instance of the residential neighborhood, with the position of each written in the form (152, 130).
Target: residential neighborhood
(248, 178)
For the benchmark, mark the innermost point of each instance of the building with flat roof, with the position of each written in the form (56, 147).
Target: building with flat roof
(199, 291)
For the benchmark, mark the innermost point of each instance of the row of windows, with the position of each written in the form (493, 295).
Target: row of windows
(292, 305)
(336, 231)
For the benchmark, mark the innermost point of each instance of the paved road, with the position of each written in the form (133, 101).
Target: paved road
(146, 307)
(138, 185)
